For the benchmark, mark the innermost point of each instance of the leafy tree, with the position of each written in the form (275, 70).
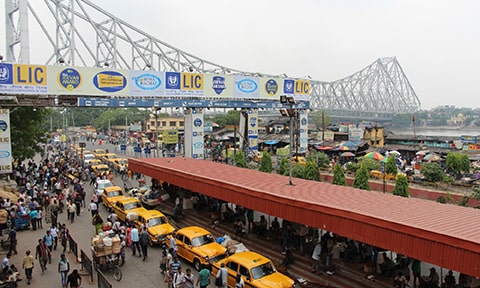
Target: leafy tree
(401, 186)
(240, 160)
(231, 118)
(361, 178)
(338, 175)
(320, 158)
(284, 166)
(266, 163)
(298, 170)
(120, 116)
(311, 171)
(370, 164)
(391, 165)
(456, 163)
(28, 131)
(352, 167)
(432, 172)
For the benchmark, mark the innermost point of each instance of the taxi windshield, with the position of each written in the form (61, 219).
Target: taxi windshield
(132, 205)
(202, 240)
(114, 193)
(262, 270)
(156, 221)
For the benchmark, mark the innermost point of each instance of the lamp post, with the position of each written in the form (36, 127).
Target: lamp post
(292, 114)
(156, 130)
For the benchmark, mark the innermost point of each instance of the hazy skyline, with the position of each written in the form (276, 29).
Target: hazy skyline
(435, 42)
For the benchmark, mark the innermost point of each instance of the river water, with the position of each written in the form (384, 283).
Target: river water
(437, 131)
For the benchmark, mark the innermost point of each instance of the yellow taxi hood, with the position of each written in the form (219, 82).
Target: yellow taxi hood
(162, 229)
(211, 250)
(274, 280)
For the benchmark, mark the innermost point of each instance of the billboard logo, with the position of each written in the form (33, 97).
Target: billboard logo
(218, 84)
(198, 145)
(271, 87)
(173, 80)
(288, 86)
(5, 75)
(197, 122)
(69, 79)
(253, 121)
(304, 121)
(3, 125)
(247, 86)
(109, 81)
(4, 154)
(147, 81)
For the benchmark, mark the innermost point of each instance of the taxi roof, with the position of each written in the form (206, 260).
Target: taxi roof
(100, 166)
(249, 259)
(113, 188)
(193, 231)
(151, 214)
(127, 199)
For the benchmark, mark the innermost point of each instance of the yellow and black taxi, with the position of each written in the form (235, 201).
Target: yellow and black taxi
(108, 156)
(119, 164)
(255, 269)
(98, 153)
(94, 162)
(157, 224)
(126, 205)
(110, 195)
(198, 246)
(101, 169)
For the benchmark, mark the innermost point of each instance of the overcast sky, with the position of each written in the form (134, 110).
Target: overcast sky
(437, 43)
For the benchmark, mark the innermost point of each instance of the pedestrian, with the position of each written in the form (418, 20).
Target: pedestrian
(6, 262)
(173, 245)
(239, 283)
(144, 240)
(63, 269)
(416, 270)
(39, 218)
(222, 274)
(71, 209)
(97, 221)
(178, 279)
(54, 232)
(48, 241)
(203, 277)
(93, 208)
(28, 265)
(122, 249)
(64, 233)
(33, 219)
(42, 253)
(74, 279)
(54, 208)
(174, 266)
(189, 282)
(316, 257)
(135, 238)
(12, 237)
(164, 262)
(78, 202)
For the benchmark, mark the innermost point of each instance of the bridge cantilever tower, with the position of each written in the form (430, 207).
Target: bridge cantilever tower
(87, 35)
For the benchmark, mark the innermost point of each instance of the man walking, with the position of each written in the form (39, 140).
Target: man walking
(28, 265)
(93, 208)
(144, 240)
(12, 236)
(74, 279)
(42, 253)
(203, 277)
(48, 241)
(63, 269)
(135, 238)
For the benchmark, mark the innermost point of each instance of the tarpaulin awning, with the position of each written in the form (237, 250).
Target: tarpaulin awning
(271, 142)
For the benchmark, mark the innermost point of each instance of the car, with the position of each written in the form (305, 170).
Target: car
(255, 269)
(94, 162)
(196, 245)
(126, 205)
(119, 164)
(87, 158)
(98, 153)
(110, 195)
(158, 226)
(300, 160)
(100, 185)
(101, 169)
(108, 156)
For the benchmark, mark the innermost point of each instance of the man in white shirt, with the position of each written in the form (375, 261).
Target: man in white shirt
(179, 279)
(173, 245)
(93, 207)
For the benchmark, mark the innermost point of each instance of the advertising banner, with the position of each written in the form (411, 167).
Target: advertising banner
(147, 83)
(298, 88)
(270, 89)
(245, 87)
(5, 143)
(218, 86)
(355, 132)
(23, 79)
(303, 137)
(194, 133)
(183, 84)
(252, 122)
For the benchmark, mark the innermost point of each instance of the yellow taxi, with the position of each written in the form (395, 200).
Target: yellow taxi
(255, 269)
(108, 156)
(126, 205)
(98, 153)
(110, 195)
(198, 246)
(300, 160)
(119, 164)
(101, 169)
(94, 162)
(157, 224)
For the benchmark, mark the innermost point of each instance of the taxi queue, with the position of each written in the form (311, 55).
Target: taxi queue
(195, 244)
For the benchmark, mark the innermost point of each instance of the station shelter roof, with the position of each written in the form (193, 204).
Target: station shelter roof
(441, 234)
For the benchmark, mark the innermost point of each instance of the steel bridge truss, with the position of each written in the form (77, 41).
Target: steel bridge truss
(87, 35)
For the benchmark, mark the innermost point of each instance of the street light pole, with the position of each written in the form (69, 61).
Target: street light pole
(292, 114)
(156, 131)
(290, 182)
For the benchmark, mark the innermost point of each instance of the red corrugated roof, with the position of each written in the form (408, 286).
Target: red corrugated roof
(446, 235)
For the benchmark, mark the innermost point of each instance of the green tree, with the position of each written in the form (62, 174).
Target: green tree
(240, 160)
(401, 186)
(338, 175)
(284, 166)
(320, 158)
(391, 165)
(457, 163)
(361, 178)
(28, 130)
(231, 118)
(432, 172)
(311, 171)
(266, 163)
(121, 116)
(370, 164)
(298, 170)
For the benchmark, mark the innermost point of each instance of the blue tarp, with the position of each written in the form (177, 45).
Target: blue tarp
(271, 142)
